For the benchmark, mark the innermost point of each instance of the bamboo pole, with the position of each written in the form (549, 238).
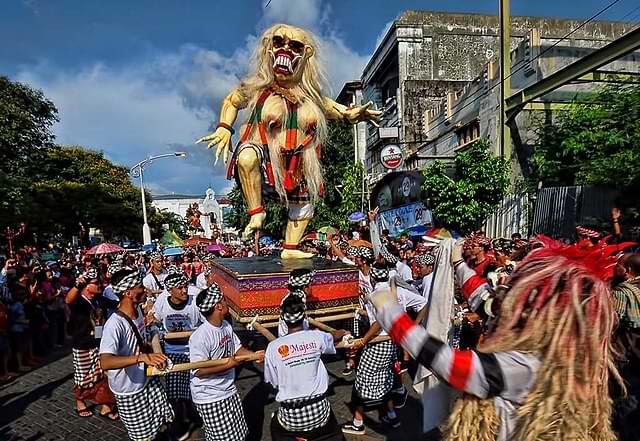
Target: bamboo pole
(377, 339)
(152, 371)
(255, 324)
(318, 324)
(177, 335)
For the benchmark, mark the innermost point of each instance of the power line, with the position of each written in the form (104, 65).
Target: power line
(593, 17)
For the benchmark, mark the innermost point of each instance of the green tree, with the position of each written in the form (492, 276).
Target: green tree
(26, 118)
(341, 183)
(596, 143)
(158, 219)
(463, 199)
(73, 186)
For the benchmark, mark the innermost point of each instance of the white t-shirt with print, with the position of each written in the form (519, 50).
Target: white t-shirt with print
(210, 342)
(150, 282)
(119, 339)
(177, 320)
(293, 364)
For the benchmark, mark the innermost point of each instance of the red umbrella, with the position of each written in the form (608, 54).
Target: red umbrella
(106, 248)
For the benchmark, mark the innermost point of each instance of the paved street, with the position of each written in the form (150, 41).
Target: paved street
(39, 406)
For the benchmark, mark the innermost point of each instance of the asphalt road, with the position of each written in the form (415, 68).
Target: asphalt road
(39, 406)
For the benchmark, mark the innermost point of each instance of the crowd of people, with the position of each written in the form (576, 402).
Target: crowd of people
(535, 333)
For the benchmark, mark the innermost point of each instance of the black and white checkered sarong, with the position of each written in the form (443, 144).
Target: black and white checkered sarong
(374, 374)
(178, 382)
(224, 420)
(294, 416)
(86, 367)
(144, 412)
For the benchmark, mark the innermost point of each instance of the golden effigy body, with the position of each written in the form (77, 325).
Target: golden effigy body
(279, 146)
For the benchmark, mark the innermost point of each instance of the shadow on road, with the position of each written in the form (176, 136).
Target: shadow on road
(15, 410)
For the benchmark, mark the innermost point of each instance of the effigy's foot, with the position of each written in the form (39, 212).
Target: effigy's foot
(295, 254)
(255, 223)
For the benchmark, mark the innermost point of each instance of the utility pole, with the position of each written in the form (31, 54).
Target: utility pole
(505, 80)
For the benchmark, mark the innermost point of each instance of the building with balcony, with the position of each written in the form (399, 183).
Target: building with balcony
(430, 65)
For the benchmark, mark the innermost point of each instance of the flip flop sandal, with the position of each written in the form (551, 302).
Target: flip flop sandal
(111, 416)
(80, 412)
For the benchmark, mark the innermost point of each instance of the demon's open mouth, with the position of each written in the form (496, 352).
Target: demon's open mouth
(284, 62)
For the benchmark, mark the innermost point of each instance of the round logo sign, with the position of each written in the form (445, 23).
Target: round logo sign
(391, 157)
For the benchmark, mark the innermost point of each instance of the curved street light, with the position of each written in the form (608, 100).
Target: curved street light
(138, 171)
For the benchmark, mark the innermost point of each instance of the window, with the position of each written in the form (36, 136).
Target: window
(468, 133)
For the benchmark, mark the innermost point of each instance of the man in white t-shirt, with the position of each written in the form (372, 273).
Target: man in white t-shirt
(293, 365)
(364, 259)
(142, 403)
(213, 389)
(299, 282)
(374, 374)
(204, 279)
(424, 269)
(156, 274)
(177, 312)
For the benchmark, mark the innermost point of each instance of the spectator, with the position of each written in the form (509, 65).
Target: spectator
(88, 312)
(18, 329)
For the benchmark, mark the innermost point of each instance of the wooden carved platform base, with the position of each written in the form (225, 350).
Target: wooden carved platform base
(256, 285)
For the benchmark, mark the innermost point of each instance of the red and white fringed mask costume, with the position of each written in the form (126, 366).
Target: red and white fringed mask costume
(543, 371)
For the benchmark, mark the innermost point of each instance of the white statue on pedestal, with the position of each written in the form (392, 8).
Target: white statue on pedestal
(211, 215)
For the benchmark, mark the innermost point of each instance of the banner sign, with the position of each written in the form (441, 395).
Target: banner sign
(399, 219)
(397, 189)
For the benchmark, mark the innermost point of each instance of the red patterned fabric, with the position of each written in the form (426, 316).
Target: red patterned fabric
(460, 369)
(401, 327)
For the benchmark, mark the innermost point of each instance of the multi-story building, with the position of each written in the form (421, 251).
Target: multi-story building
(430, 65)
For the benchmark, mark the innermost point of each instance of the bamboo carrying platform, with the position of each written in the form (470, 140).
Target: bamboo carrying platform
(256, 285)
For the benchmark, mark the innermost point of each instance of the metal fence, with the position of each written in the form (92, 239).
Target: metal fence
(511, 217)
(559, 209)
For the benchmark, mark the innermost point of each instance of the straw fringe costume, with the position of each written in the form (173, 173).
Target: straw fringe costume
(542, 374)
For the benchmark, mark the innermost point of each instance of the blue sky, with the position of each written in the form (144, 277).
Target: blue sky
(140, 77)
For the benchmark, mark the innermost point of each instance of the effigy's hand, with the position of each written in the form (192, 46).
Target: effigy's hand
(363, 113)
(220, 138)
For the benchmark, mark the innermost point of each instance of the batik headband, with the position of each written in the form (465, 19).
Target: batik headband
(175, 281)
(130, 281)
(213, 297)
(301, 280)
(425, 260)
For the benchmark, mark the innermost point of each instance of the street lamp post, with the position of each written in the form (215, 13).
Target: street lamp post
(138, 171)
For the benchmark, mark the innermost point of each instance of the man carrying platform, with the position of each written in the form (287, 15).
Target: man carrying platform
(142, 403)
(178, 312)
(293, 365)
(213, 389)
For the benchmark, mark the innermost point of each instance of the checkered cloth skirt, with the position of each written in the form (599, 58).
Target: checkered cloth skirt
(224, 420)
(295, 416)
(86, 367)
(374, 374)
(178, 382)
(144, 412)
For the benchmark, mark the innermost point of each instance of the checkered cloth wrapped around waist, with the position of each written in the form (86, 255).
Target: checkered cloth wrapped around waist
(304, 414)
(144, 412)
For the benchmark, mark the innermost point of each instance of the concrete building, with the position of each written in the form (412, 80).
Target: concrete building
(430, 64)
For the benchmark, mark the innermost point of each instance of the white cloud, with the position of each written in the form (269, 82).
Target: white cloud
(163, 103)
